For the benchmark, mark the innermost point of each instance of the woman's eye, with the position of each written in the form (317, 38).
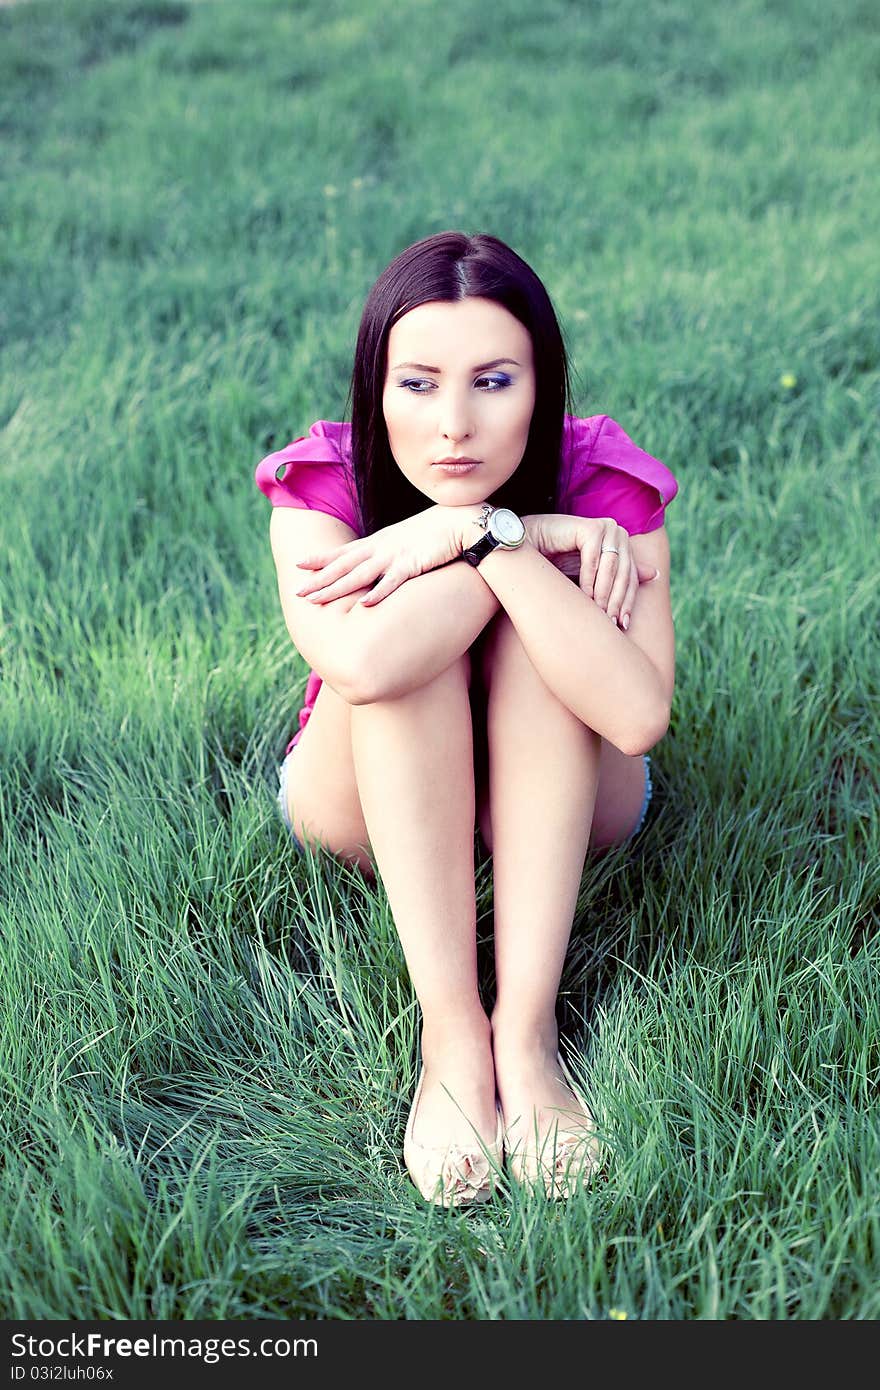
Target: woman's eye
(421, 386)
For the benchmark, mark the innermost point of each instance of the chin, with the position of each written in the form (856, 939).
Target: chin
(473, 483)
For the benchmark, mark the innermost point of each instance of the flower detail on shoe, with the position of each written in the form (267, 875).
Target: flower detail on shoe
(575, 1160)
(464, 1176)
(454, 1175)
(567, 1160)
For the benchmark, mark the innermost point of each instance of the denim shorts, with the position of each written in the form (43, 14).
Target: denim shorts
(646, 799)
(298, 845)
(282, 801)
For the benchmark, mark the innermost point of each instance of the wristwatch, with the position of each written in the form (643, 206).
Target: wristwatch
(503, 529)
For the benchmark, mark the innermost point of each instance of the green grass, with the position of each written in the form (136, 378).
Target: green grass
(209, 1047)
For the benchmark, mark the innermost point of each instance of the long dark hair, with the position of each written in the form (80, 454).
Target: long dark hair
(452, 266)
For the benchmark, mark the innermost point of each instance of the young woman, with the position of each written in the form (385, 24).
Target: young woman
(425, 560)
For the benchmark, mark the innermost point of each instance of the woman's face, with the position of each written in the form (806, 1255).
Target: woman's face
(460, 384)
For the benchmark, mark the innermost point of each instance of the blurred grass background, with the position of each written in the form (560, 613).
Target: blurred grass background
(209, 1045)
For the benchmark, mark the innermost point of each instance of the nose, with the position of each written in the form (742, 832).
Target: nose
(456, 423)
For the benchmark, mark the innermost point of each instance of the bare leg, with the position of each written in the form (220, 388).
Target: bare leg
(543, 779)
(413, 758)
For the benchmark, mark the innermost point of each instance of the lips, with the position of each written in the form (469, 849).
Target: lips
(461, 465)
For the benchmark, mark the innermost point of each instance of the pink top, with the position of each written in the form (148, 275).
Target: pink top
(603, 474)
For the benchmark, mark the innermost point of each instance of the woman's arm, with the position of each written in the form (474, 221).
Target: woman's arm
(367, 653)
(620, 684)
(417, 631)
(422, 631)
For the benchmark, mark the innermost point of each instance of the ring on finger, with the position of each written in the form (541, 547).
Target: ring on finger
(609, 550)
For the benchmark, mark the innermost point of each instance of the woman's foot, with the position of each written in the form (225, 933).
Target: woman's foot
(453, 1138)
(549, 1131)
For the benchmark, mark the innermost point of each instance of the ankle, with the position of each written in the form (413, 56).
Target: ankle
(455, 1028)
(518, 1032)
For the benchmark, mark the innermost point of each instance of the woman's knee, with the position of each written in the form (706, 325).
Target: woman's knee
(323, 799)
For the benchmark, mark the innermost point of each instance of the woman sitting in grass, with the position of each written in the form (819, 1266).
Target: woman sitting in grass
(425, 559)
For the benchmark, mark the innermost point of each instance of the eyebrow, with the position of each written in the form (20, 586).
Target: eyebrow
(483, 367)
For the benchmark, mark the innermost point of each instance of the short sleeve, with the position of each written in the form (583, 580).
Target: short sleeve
(313, 473)
(606, 474)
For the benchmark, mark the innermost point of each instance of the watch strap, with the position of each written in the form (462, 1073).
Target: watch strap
(475, 553)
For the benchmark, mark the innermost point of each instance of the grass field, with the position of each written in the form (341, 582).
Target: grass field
(209, 1046)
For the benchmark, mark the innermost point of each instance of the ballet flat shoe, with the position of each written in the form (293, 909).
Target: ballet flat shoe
(455, 1175)
(568, 1159)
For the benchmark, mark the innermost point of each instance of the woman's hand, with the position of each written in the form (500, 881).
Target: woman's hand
(410, 547)
(596, 552)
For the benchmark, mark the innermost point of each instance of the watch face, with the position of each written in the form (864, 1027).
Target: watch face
(508, 526)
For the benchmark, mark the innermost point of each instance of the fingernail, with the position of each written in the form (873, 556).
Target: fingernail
(625, 623)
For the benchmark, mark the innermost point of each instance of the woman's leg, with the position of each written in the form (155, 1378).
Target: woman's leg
(413, 759)
(543, 778)
(392, 783)
(322, 796)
